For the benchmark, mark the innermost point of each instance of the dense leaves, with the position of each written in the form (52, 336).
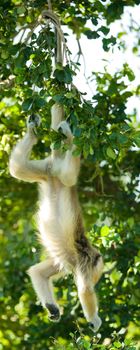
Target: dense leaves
(108, 139)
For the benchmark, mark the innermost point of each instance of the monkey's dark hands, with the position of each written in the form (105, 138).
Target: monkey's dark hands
(64, 129)
(33, 122)
(54, 313)
(96, 323)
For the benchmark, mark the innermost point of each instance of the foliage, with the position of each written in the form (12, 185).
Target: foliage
(108, 139)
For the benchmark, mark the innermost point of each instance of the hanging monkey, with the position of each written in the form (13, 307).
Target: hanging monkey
(59, 216)
(59, 219)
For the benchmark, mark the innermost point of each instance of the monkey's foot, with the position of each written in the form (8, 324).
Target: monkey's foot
(54, 313)
(96, 323)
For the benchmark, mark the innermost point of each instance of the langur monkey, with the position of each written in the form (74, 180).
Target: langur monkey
(59, 219)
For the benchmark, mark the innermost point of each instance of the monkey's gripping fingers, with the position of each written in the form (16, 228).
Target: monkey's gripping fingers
(64, 128)
(33, 122)
(96, 323)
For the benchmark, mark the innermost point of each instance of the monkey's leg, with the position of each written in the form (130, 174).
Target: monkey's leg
(88, 300)
(40, 275)
(20, 165)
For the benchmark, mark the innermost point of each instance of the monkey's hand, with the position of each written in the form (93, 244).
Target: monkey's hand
(33, 122)
(96, 323)
(64, 129)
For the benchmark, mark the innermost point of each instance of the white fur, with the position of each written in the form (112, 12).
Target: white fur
(56, 219)
(41, 285)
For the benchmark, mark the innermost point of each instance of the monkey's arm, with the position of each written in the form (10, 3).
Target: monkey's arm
(64, 167)
(57, 115)
(20, 165)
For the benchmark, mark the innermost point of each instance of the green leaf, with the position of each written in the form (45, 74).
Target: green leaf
(127, 94)
(64, 75)
(110, 152)
(77, 131)
(94, 21)
(59, 66)
(91, 151)
(86, 150)
(98, 6)
(91, 34)
(70, 94)
(34, 36)
(108, 42)
(113, 88)
(4, 54)
(129, 72)
(39, 102)
(115, 276)
(59, 75)
(122, 139)
(21, 10)
(57, 145)
(105, 231)
(136, 138)
(121, 34)
(135, 49)
(117, 344)
(42, 68)
(104, 30)
(27, 104)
